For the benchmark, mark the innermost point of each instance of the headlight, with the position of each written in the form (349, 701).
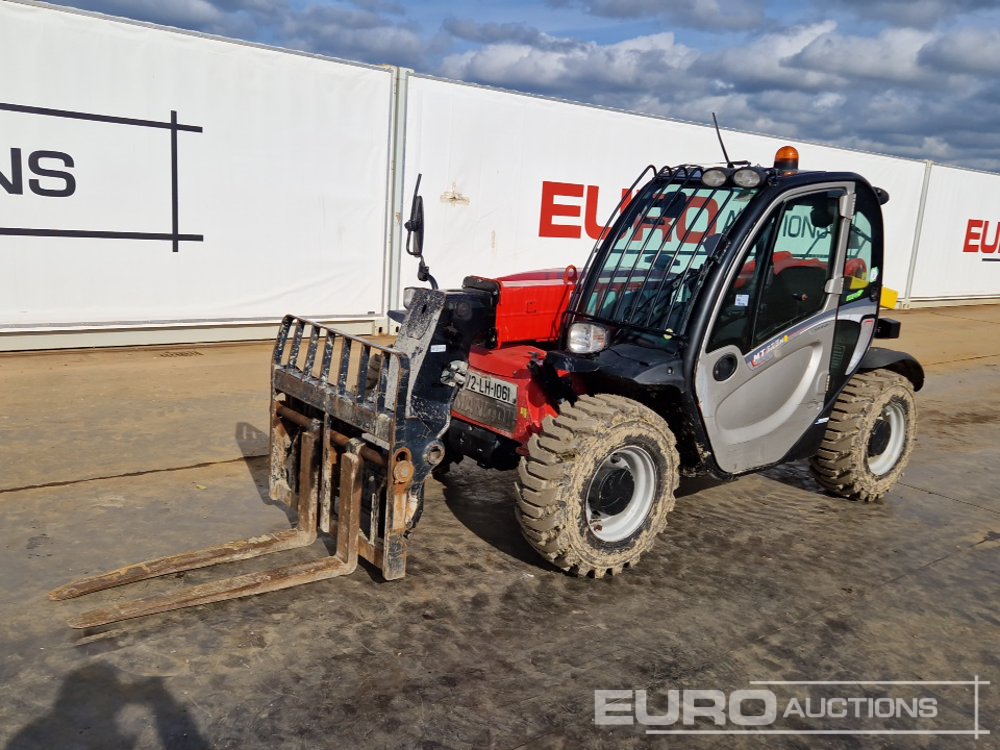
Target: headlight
(587, 338)
(714, 177)
(408, 296)
(747, 177)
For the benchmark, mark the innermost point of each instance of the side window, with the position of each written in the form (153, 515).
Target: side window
(858, 266)
(793, 290)
(782, 277)
(735, 319)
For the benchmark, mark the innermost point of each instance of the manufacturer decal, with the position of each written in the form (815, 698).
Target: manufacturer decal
(763, 354)
(873, 276)
(772, 349)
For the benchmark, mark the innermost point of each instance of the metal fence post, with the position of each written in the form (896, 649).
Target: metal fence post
(917, 234)
(394, 209)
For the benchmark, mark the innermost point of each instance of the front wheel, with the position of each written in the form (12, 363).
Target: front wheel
(869, 438)
(597, 484)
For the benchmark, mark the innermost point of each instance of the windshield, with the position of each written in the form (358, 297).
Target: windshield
(647, 272)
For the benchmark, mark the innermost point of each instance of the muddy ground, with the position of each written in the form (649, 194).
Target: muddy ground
(110, 457)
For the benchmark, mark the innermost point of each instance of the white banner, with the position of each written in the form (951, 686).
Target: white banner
(514, 183)
(959, 253)
(149, 175)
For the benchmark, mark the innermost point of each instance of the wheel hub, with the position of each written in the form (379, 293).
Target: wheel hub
(621, 493)
(879, 439)
(887, 440)
(614, 491)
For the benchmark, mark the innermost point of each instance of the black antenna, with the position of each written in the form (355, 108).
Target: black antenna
(729, 162)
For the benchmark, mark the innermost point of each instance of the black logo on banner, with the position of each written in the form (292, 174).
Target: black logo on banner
(50, 174)
(13, 181)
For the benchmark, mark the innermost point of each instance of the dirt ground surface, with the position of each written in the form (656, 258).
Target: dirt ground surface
(109, 457)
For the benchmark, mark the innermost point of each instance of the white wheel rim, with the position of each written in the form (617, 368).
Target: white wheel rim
(894, 415)
(610, 514)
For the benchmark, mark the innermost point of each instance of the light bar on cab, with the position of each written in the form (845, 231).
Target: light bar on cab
(714, 177)
(747, 177)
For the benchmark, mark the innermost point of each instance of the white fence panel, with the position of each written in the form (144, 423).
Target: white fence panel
(148, 175)
(151, 177)
(959, 251)
(513, 182)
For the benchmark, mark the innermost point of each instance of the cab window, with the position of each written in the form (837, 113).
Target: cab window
(858, 267)
(784, 273)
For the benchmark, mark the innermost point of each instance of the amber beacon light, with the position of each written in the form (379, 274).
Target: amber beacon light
(786, 159)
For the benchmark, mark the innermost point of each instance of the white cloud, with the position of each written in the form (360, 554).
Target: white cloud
(922, 83)
(891, 56)
(967, 50)
(353, 34)
(180, 13)
(497, 33)
(719, 15)
(914, 13)
(763, 62)
(633, 65)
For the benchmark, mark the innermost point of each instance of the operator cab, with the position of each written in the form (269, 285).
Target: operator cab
(712, 277)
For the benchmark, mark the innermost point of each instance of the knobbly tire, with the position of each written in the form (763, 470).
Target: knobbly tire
(869, 437)
(574, 485)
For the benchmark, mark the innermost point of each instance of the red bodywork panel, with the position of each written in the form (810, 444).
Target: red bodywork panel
(532, 304)
(529, 312)
(511, 365)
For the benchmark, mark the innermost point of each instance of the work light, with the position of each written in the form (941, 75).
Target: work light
(748, 177)
(714, 177)
(587, 338)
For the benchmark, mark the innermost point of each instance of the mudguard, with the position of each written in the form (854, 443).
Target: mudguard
(889, 359)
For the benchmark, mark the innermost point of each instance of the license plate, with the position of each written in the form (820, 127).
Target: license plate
(500, 390)
(488, 401)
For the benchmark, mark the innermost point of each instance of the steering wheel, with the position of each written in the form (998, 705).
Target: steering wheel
(658, 303)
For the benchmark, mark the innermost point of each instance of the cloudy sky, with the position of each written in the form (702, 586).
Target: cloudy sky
(915, 78)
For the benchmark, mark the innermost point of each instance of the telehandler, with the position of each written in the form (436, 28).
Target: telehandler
(722, 324)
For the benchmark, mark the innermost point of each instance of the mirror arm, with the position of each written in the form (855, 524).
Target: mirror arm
(424, 274)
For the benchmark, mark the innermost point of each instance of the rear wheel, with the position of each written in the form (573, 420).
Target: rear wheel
(597, 484)
(869, 438)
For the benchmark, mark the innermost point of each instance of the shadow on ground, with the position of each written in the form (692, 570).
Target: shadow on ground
(85, 714)
(253, 445)
(483, 501)
(795, 474)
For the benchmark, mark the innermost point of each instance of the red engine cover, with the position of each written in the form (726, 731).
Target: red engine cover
(529, 312)
(532, 304)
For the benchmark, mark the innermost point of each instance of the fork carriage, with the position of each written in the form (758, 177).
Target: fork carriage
(347, 417)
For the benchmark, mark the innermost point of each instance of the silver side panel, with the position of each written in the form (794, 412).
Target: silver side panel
(754, 417)
(759, 413)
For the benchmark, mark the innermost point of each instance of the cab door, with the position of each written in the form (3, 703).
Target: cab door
(764, 366)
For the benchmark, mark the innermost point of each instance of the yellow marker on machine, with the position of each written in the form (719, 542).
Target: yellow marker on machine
(889, 298)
